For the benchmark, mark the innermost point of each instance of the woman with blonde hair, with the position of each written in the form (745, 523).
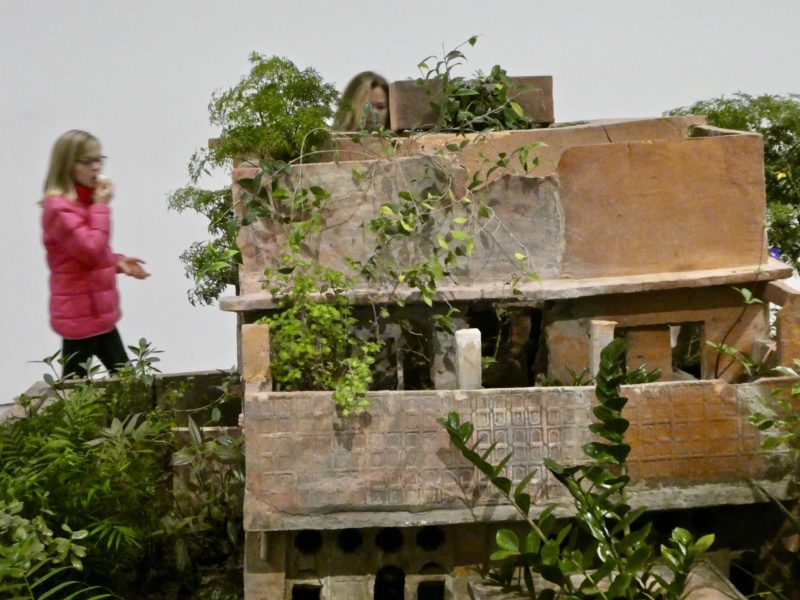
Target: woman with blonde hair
(76, 223)
(364, 103)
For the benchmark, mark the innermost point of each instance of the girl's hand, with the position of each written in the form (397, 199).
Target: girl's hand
(132, 267)
(103, 190)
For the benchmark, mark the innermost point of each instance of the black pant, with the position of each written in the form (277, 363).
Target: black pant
(106, 346)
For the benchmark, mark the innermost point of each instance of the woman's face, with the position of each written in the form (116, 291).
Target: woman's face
(380, 106)
(89, 165)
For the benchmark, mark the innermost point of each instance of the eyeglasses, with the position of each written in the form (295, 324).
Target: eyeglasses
(91, 160)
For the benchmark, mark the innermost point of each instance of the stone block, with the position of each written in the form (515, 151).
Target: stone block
(355, 589)
(410, 104)
(484, 148)
(444, 356)
(606, 176)
(468, 359)
(255, 352)
(701, 199)
(567, 349)
(650, 346)
(265, 565)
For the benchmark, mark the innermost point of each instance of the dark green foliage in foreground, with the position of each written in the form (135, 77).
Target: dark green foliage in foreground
(609, 549)
(95, 462)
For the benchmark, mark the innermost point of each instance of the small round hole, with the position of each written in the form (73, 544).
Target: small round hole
(308, 541)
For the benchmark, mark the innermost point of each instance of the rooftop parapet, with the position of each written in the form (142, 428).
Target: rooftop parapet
(612, 206)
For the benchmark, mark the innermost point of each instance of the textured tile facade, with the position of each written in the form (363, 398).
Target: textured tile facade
(395, 465)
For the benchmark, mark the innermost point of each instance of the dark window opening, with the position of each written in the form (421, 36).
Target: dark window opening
(415, 355)
(390, 583)
(430, 590)
(510, 341)
(687, 350)
(306, 591)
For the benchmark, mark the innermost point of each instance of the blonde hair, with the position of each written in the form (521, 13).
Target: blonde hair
(66, 152)
(350, 114)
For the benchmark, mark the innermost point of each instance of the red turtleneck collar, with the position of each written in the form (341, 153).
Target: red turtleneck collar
(84, 194)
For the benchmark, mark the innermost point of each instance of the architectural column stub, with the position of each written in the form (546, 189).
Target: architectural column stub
(468, 359)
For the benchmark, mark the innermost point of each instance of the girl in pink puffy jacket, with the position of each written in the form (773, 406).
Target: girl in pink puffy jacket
(76, 221)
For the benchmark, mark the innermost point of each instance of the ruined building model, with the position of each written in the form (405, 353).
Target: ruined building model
(639, 228)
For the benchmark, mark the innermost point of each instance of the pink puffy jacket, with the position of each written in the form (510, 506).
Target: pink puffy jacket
(83, 271)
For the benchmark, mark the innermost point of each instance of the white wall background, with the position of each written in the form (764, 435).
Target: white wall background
(140, 75)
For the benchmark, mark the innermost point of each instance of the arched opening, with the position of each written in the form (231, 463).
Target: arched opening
(390, 583)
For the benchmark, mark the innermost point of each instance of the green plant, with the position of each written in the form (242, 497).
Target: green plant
(212, 264)
(751, 368)
(276, 111)
(780, 417)
(777, 119)
(94, 458)
(78, 461)
(485, 102)
(423, 234)
(779, 420)
(206, 520)
(313, 341)
(35, 564)
(618, 561)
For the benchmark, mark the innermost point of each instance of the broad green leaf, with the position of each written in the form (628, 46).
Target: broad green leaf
(499, 555)
(532, 543)
(620, 584)
(194, 432)
(703, 544)
(682, 536)
(507, 540)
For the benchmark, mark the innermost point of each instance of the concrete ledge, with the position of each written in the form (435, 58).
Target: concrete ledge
(533, 293)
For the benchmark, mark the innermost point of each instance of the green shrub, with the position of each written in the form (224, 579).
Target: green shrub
(313, 339)
(485, 102)
(95, 460)
(276, 111)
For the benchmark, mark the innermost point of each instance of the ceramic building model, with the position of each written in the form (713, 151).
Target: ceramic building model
(640, 228)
